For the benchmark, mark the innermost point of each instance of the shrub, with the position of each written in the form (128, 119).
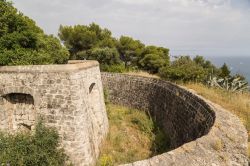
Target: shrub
(152, 62)
(183, 69)
(28, 149)
(117, 68)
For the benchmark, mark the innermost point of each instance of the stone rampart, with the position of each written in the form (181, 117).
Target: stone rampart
(68, 97)
(201, 133)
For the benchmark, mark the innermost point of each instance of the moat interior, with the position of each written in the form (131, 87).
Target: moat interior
(182, 116)
(133, 135)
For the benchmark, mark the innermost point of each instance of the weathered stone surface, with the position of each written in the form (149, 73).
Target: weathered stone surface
(70, 98)
(60, 95)
(201, 132)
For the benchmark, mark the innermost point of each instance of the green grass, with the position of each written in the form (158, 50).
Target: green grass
(133, 136)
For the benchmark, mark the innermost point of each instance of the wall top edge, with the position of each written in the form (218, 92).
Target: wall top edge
(70, 67)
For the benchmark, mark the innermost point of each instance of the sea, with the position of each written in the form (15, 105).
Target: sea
(237, 64)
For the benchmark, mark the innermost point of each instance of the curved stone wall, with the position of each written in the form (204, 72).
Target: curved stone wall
(186, 117)
(183, 116)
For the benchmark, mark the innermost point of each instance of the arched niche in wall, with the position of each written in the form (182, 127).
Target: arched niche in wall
(17, 112)
(91, 87)
(94, 98)
(96, 113)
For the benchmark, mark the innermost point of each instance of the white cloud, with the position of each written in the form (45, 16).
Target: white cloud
(210, 27)
(136, 2)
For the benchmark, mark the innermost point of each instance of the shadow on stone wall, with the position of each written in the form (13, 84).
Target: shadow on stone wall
(18, 112)
(183, 116)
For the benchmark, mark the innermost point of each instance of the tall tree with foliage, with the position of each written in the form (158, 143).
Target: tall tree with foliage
(153, 58)
(130, 50)
(24, 43)
(211, 69)
(81, 39)
(107, 57)
(225, 72)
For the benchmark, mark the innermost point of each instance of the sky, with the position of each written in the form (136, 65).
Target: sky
(186, 27)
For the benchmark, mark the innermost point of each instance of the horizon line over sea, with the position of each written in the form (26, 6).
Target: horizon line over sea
(237, 64)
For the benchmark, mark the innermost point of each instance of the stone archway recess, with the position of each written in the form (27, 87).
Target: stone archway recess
(18, 109)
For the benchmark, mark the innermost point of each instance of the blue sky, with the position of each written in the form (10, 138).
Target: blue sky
(204, 27)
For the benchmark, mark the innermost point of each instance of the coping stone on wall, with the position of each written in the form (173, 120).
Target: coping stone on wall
(49, 68)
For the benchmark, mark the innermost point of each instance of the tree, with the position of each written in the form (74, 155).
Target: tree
(183, 69)
(161, 51)
(152, 63)
(129, 50)
(105, 56)
(207, 65)
(81, 38)
(153, 58)
(225, 72)
(23, 43)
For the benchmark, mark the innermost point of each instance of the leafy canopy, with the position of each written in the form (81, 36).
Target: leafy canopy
(24, 43)
(225, 72)
(183, 69)
(130, 50)
(153, 58)
(81, 39)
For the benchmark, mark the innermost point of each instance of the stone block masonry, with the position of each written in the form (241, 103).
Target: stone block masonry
(201, 132)
(68, 97)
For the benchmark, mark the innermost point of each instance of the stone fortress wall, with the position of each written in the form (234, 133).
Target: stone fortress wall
(68, 97)
(201, 133)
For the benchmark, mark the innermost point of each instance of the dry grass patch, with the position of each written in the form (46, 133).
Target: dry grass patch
(133, 136)
(237, 103)
(217, 145)
(143, 74)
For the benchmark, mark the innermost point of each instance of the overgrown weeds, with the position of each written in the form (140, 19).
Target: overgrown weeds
(133, 136)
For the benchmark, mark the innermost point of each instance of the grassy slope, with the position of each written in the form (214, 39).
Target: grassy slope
(133, 136)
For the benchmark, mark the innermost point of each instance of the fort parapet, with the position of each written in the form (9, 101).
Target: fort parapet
(68, 97)
(201, 133)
